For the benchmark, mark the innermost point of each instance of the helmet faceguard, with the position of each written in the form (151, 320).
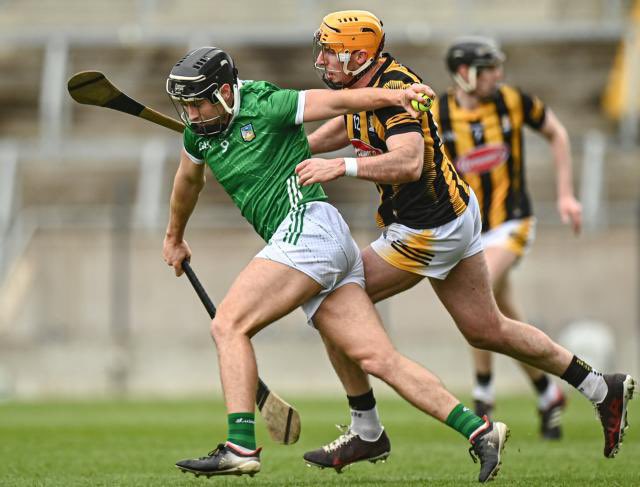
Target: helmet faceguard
(476, 53)
(342, 34)
(199, 76)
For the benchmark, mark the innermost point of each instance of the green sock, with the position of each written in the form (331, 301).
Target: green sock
(463, 420)
(242, 430)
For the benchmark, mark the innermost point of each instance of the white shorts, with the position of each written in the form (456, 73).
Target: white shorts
(516, 236)
(314, 239)
(432, 252)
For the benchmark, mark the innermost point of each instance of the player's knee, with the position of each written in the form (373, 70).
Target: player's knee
(216, 330)
(484, 335)
(376, 363)
(478, 339)
(224, 328)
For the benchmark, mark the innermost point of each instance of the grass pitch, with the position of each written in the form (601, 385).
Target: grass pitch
(136, 443)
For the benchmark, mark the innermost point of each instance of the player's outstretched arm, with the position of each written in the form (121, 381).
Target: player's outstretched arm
(326, 104)
(187, 184)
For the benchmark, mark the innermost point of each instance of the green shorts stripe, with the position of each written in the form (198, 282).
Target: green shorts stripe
(301, 213)
(296, 225)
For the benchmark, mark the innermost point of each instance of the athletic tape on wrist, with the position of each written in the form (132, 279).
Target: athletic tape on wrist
(351, 167)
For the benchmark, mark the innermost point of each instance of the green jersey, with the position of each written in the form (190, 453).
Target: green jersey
(255, 158)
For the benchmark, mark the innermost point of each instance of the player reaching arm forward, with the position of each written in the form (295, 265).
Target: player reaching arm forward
(251, 137)
(432, 228)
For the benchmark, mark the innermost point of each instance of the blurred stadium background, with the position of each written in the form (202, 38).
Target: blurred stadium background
(87, 306)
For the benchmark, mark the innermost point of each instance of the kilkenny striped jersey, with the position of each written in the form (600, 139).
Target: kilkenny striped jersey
(440, 195)
(487, 147)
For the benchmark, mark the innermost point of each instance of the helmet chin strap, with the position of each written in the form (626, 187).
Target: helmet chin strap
(467, 86)
(220, 99)
(357, 74)
(346, 57)
(231, 111)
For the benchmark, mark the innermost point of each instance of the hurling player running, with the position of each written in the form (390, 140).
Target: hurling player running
(481, 122)
(250, 135)
(432, 228)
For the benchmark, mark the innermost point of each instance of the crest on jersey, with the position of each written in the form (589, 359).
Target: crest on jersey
(483, 159)
(247, 133)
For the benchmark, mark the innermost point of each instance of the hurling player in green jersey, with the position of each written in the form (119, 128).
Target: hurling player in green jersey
(251, 137)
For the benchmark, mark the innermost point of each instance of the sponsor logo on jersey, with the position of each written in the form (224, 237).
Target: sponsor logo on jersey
(363, 149)
(483, 159)
(203, 145)
(247, 133)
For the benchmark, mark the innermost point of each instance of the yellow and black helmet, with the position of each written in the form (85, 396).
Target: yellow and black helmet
(349, 31)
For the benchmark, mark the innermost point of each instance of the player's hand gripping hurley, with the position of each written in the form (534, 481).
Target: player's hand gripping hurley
(93, 88)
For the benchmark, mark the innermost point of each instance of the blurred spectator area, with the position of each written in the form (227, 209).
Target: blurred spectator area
(291, 19)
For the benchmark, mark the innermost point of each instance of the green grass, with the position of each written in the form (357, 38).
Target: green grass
(136, 443)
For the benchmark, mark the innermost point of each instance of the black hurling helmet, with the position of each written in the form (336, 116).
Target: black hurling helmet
(199, 76)
(475, 52)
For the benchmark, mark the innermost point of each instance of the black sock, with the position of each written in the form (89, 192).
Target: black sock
(576, 372)
(541, 384)
(364, 402)
(483, 379)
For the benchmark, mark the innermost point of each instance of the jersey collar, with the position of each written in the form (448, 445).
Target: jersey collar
(388, 59)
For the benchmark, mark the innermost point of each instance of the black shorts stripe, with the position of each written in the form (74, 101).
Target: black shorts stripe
(402, 251)
(419, 253)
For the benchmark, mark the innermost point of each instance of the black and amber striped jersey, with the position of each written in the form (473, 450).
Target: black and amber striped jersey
(487, 148)
(440, 195)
